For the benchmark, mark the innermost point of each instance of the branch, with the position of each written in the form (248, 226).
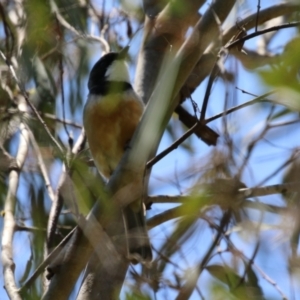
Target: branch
(183, 199)
(162, 35)
(271, 281)
(9, 221)
(260, 32)
(19, 227)
(244, 193)
(213, 75)
(206, 134)
(207, 60)
(200, 124)
(257, 14)
(246, 104)
(264, 15)
(269, 190)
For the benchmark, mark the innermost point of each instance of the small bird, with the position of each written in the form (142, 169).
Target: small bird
(111, 115)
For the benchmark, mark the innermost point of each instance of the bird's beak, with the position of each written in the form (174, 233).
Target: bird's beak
(123, 53)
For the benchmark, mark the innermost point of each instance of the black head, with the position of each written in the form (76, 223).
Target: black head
(99, 71)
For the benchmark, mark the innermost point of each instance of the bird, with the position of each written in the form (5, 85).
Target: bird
(111, 114)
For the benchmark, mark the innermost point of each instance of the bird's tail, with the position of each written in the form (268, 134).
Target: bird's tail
(139, 246)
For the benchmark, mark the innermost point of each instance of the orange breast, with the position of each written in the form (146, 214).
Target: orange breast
(109, 126)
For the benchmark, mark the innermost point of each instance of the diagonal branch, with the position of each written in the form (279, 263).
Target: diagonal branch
(200, 124)
(260, 32)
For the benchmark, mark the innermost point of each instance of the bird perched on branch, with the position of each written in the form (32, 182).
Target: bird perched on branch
(111, 115)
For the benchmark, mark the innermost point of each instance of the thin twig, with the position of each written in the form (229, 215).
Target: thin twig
(24, 94)
(174, 146)
(247, 268)
(248, 103)
(19, 227)
(187, 134)
(214, 72)
(271, 281)
(260, 32)
(257, 15)
(63, 121)
(211, 79)
(286, 123)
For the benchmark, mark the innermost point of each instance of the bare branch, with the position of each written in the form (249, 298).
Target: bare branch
(200, 124)
(206, 134)
(9, 221)
(260, 32)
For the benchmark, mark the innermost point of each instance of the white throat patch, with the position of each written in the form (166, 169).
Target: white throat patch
(118, 71)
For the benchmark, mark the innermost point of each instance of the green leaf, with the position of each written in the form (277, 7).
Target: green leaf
(253, 282)
(285, 76)
(225, 274)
